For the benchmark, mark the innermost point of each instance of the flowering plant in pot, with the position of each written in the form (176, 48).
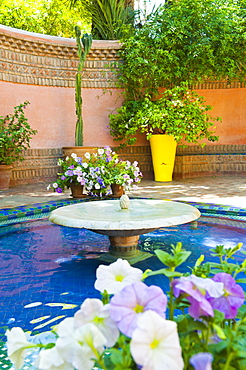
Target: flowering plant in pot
(73, 172)
(15, 136)
(198, 322)
(120, 172)
(96, 172)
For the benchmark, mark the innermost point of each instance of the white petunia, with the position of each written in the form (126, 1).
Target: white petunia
(116, 276)
(17, 345)
(52, 359)
(74, 155)
(55, 185)
(81, 346)
(100, 151)
(155, 343)
(87, 155)
(93, 310)
(97, 186)
(84, 164)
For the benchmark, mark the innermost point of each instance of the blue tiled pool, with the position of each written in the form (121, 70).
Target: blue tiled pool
(48, 270)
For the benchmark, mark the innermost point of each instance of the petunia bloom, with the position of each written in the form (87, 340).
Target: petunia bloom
(202, 361)
(196, 291)
(130, 303)
(94, 311)
(116, 276)
(17, 345)
(232, 298)
(155, 343)
(51, 359)
(79, 346)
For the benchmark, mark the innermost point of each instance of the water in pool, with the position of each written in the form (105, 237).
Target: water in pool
(48, 270)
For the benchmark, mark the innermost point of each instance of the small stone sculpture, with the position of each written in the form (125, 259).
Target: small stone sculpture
(124, 202)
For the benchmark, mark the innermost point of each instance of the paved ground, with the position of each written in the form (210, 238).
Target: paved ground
(226, 190)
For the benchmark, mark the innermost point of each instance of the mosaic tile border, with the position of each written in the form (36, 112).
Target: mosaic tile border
(41, 210)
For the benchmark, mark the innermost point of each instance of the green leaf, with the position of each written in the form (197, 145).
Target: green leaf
(242, 280)
(116, 356)
(196, 325)
(181, 257)
(165, 258)
(219, 331)
(199, 261)
(165, 272)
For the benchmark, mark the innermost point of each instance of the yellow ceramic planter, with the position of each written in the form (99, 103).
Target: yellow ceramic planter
(163, 150)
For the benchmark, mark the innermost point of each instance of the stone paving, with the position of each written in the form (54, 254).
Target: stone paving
(224, 190)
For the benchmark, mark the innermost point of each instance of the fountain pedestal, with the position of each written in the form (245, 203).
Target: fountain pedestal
(123, 226)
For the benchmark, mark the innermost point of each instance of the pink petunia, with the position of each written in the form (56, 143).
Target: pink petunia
(233, 296)
(196, 291)
(127, 305)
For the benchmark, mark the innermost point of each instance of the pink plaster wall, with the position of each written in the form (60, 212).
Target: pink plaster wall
(51, 112)
(230, 105)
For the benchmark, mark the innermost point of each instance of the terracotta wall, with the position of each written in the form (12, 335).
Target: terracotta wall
(42, 69)
(230, 105)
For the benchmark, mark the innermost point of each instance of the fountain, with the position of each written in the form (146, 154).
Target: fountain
(124, 221)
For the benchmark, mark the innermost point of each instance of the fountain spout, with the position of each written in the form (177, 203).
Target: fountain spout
(124, 201)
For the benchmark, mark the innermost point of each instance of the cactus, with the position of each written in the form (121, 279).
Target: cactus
(84, 45)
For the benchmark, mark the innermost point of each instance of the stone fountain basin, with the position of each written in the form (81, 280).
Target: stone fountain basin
(107, 218)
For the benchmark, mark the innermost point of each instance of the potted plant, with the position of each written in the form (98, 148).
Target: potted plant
(178, 116)
(72, 175)
(118, 174)
(15, 136)
(95, 173)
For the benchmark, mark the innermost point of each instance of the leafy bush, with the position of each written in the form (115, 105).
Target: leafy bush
(15, 135)
(184, 41)
(179, 112)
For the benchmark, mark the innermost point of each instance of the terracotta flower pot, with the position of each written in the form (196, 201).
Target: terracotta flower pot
(77, 190)
(117, 190)
(5, 174)
(79, 150)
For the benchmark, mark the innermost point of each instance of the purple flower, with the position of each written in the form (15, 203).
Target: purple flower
(71, 167)
(78, 160)
(59, 190)
(202, 361)
(196, 291)
(127, 305)
(63, 177)
(69, 173)
(231, 300)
